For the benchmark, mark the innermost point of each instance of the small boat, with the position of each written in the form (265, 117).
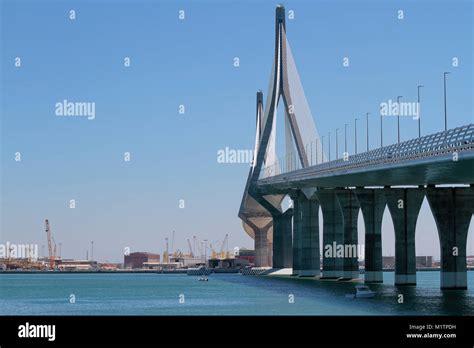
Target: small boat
(203, 279)
(363, 291)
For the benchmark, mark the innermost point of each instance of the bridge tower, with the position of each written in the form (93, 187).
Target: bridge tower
(262, 215)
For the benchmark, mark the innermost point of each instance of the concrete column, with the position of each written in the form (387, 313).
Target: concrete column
(404, 205)
(309, 237)
(333, 233)
(452, 210)
(282, 240)
(350, 212)
(261, 248)
(296, 264)
(270, 250)
(372, 203)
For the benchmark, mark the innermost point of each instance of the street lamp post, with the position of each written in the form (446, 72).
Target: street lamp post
(445, 108)
(329, 145)
(345, 138)
(398, 117)
(337, 144)
(322, 149)
(355, 135)
(316, 150)
(367, 123)
(381, 129)
(419, 115)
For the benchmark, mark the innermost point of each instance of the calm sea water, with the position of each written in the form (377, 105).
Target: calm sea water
(223, 294)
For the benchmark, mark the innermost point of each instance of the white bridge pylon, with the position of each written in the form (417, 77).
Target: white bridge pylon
(302, 142)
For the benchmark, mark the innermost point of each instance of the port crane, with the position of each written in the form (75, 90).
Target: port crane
(191, 252)
(166, 253)
(54, 248)
(172, 245)
(50, 246)
(198, 247)
(224, 252)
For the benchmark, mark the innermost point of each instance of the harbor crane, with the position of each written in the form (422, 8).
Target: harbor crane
(50, 246)
(198, 246)
(166, 253)
(224, 252)
(191, 251)
(54, 247)
(195, 246)
(172, 244)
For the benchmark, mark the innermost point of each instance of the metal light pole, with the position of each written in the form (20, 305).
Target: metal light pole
(345, 138)
(398, 117)
(367, 122)
(329, 138)
(337, 144)
(445, 111)
(419, 116)
(355, 136)
(381, 129)
(316, 150)
(322, 149)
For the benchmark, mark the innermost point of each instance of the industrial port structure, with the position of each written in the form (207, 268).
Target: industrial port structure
(200, 253)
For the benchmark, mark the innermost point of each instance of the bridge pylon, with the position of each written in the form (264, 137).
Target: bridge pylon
(257, 211)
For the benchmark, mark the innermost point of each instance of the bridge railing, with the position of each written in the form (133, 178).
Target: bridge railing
(453, 140)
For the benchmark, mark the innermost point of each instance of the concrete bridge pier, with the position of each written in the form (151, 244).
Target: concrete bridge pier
(282, 240)
(404, 205)
(296, 234)
(349, 206)
(333, 233)
(452, 210)
(262, 257)
(309, 236)
(372, 204)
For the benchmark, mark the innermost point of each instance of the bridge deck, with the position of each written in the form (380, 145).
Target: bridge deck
(440, 158)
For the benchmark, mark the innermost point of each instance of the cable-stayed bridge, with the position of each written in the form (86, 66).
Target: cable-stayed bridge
(398, 176)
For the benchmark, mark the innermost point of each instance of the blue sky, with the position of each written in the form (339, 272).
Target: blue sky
(190, 62)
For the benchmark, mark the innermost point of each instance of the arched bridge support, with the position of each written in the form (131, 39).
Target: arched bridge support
(333, 233)
(309, 234)
(404, 205)
(372, 204)
(262, 249)
(282, 240)
(452, 210)
(349, 206)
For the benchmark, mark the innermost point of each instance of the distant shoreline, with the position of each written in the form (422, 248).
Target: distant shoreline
(184, 271)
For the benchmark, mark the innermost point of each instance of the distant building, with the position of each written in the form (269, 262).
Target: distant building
(246, 254)
(109, 266)
(185, 261)
(137, 259)
(424, 261)
(233, 263)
